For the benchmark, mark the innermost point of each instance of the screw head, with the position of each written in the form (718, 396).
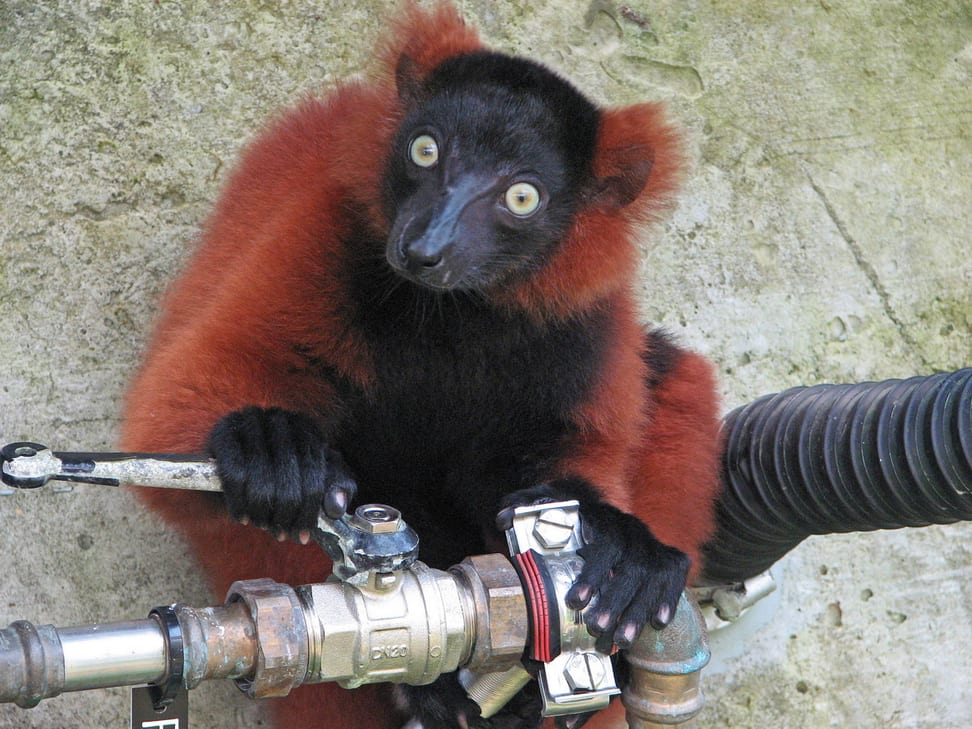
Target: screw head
(553, 528)
(585, 671)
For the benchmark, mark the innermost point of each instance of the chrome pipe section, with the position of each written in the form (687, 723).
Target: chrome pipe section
(38, 662)
(125, 653)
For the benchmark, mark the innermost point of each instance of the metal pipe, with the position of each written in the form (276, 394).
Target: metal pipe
(223, 640)
(257, 638)
(665, 667)
(112, 654)
(406, 626)
(31, 663)
(39, 662)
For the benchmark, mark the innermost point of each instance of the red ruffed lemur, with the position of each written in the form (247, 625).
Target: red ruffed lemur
(418, 291)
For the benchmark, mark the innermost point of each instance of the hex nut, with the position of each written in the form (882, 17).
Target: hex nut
(281, 633)
(501, 624)
(377, 519)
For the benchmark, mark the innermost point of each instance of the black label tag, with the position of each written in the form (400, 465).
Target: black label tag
(144, 716)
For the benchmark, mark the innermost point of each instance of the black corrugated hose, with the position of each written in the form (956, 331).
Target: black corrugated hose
(840, 458)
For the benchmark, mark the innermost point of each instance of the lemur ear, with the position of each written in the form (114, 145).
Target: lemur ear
(637, 157)
(422, 40)
(622, 175)
(408, 79)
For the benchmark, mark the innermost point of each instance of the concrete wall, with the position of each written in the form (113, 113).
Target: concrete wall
(823, 236)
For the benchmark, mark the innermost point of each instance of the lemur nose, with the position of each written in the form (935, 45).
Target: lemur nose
(420, 254)
(417, 256)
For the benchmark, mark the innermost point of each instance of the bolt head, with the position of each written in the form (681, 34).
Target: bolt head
(585, 671)
(377, 519)
(553, 528)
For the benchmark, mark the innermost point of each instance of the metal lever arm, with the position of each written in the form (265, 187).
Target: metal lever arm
(372, 540)
(31, 465)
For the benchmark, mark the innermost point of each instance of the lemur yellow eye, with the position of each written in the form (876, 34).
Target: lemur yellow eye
(522, 199)
(424, 151)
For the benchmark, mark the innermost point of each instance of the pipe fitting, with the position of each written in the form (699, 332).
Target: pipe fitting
(33, 664)
(663, 688)
(498, 612)
(282, 646)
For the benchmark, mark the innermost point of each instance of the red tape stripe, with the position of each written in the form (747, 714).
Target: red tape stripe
(537, 598)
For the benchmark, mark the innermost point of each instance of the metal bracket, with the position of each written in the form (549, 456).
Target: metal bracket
(575, 677)
(722, 605)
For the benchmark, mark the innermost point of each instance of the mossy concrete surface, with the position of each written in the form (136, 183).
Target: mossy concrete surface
(823, 235)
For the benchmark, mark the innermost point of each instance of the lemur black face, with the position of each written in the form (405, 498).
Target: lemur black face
(485, 172)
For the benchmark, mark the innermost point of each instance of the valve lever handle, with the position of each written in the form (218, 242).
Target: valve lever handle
(31, 465)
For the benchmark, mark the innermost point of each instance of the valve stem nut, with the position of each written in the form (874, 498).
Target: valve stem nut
(377, 519)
